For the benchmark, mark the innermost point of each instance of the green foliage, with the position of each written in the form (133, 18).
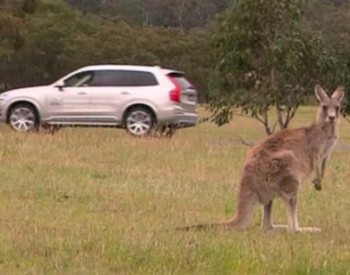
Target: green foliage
(182, 14)
(330, 18)
(29, 6)
(262, 55)
(265, 59)
(40, 47)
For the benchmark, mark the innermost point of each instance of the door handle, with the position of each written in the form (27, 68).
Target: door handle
(82, 93)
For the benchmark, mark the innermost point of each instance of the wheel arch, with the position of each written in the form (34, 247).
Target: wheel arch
(19, 102)
(143, 105)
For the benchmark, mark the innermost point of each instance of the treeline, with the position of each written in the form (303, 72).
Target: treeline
(181, 14)
(40, 40)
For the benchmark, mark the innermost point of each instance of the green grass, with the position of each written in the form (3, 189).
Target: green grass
(98, 201)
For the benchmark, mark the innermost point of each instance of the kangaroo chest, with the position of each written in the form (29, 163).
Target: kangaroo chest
(327, 147)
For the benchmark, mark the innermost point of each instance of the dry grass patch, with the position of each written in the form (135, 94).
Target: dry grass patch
(98, 201)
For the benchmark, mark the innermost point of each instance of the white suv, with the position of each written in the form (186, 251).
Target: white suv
(132, 97)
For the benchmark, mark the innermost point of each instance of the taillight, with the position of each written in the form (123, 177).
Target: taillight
(175, 94)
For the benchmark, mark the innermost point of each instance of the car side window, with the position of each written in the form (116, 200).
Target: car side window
(123, 78)
(81, 79)
(182, 81)
(138, 78)
(104, 78)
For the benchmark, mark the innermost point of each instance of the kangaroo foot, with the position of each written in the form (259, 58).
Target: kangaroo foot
(280, 226)
(307, 229)
(317, 184)
(286, 227)
(275, 227)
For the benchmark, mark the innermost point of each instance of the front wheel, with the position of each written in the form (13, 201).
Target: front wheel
(23, 118)
(139, 121)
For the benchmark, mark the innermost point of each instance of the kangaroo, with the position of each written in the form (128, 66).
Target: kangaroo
(276, 167)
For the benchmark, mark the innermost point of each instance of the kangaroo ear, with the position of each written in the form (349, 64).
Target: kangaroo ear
(339, 94)
(320, 94)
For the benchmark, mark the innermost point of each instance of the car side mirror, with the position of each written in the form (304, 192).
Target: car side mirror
(60, 86)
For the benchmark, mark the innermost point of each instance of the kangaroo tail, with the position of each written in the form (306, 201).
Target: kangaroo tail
(235, 224)
(204, 226)
(247, 201)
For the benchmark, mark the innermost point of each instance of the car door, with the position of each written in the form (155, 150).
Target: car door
(116, 88)
(70, 102)
(105, 96)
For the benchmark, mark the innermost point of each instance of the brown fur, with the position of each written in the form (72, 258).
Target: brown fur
(277, 167)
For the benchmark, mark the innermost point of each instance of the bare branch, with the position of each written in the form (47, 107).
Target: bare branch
(279, 111)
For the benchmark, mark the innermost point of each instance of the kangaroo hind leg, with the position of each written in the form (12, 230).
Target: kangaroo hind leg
(267, 220)
(290, 187)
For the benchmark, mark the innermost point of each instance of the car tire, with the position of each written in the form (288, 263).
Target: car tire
(23, 118)
(139, 121)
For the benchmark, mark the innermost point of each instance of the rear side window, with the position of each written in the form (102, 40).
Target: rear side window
(123, 78)
(182, 81)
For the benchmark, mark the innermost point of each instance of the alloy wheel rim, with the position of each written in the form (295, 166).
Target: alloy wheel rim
(139, 123)
(22, 119)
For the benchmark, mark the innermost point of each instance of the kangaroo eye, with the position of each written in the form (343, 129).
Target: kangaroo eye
(337, 108)
(324, 108)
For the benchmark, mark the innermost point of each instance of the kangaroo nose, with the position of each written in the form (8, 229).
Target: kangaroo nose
(331, 118)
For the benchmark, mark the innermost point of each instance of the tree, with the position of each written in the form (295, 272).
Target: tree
(264, 60)
(29, 6)
(11, 40)
(182, 14)
(330, 18)
(40, 47)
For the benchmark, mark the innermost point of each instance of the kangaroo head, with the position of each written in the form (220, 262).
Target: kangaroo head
(329, 106)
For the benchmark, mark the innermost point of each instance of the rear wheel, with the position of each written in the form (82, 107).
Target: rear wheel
(139, 121)
(23, 118)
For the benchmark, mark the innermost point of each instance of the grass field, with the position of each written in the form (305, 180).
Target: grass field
(97, 201)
